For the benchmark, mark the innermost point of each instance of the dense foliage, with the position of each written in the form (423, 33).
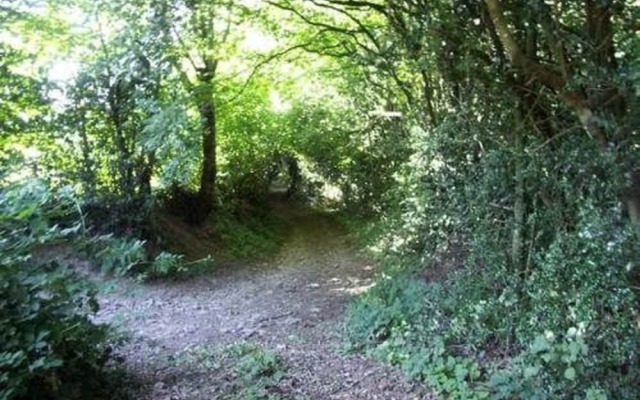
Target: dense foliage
(491, 149)
(49, 347)
(509, 232)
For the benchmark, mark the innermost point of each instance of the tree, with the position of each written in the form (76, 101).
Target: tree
(23, 104)
(601, 103)
(201, 31)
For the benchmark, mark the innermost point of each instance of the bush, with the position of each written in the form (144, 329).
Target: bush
(122, 256)
(554, 367)
(572, 332)
(119, 256)
(49, 347)
(558, 321)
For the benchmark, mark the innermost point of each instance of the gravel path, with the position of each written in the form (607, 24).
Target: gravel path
(291, 305)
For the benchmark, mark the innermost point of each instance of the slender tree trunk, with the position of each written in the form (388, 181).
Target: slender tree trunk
(124, 164)
(293, 168)
(146, 172)
(427, 94)
(517, 241)
(632, 198)
(207, 109)
(89, 176)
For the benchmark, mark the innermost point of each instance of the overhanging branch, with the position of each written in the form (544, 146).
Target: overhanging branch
(257, 67)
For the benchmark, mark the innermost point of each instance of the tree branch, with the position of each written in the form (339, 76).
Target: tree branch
(545, 75)
(260, 65)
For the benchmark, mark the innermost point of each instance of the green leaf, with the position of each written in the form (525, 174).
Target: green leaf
(570, 373)
(531, 371)
(540, 344)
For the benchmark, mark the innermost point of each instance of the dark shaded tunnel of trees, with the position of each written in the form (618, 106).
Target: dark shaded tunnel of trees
(485, 153)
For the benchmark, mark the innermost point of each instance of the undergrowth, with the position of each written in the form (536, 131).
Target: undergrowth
(49, 346)
(251, 237)
(123, 256)
(241, 227)
(253, 373)
(557, 321)
(461, 341)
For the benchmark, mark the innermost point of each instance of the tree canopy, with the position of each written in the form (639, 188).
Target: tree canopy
(487, 151)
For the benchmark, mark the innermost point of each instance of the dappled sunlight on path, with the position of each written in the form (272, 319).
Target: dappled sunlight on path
(291, 305)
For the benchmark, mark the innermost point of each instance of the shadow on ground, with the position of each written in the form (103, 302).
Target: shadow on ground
(291, 305)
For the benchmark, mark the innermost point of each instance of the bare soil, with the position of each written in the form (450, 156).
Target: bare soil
(292, 305)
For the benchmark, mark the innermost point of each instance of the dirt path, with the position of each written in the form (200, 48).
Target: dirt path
(291, 305)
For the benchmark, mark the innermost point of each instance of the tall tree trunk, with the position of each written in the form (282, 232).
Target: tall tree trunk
(117, 98)
(146, 172)
(207, 109)
(89, 176)
(632, 198)
(517, 239)
(202, 18)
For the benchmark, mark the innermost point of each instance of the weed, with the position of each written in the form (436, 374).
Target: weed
(201, 357)
(258, 369)
(254, 371)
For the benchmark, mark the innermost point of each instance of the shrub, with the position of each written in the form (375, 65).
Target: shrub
(572, 333)
(259, 369)
(167, 264)
(480, 330)
(49, 347)
(119, 256)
